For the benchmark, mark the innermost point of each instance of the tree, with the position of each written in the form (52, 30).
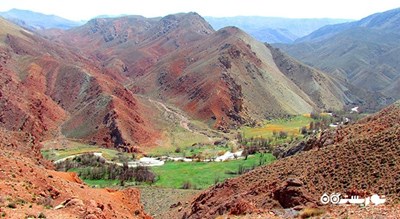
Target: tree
(303, 130)
(283, 134)
(144, 174)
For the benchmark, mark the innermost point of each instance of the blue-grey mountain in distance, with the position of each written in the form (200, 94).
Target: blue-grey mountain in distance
(38, 21)
(365, 53)
(274, 29)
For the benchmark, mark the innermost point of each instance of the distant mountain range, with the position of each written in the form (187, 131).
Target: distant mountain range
(365, 53)
(37, 21)
(264, 29)
(273, 29)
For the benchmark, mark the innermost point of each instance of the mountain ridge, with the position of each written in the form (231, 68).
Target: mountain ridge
(277, 30)
(364, 52)
(156, 66)
(54, 87)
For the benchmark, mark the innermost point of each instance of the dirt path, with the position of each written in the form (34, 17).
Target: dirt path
(184, 121)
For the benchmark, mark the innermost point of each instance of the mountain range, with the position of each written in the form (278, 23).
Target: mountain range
(89, 81)
(265, 29)
(363, 53)
(213, 75)
(38, 21)
(273, 29)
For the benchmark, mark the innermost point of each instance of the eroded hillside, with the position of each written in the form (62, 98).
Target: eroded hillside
(29, 187)
(362, 158)
(48, 91)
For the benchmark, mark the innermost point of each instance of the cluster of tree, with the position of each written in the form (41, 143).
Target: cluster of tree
(322, 122)
(260, 142)
(94, 167)
(280, 135)
(315, 126)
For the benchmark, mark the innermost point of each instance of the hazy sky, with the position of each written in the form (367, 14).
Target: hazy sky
(86, 9)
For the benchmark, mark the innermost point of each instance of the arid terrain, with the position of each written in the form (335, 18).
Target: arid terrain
(29, 188)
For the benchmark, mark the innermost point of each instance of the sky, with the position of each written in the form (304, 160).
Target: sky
(87, 9)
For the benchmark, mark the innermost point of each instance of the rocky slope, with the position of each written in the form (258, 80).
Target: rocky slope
(48, 90)
(362, 158)
(30, 188)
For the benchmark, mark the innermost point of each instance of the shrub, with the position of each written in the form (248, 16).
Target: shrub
(303, 130)
(41, 215)
(12, 205)
(315, 115)
(261, 161)
(310, 212)
(97, 173)
(144, 174)
(186, 185)
(45, 201)
(216, 180)
(283, 134)
(241, 169)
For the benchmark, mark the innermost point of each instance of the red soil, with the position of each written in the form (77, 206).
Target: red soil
(33, 189)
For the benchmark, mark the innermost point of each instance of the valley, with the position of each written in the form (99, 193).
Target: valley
(199, 155)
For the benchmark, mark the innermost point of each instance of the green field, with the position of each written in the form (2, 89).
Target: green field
(205, 151)
(200, 175)
(290, 125)
(203, 174)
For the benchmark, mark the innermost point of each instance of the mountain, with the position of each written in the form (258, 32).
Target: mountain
(385, 21)
(225, 78)
(95, 82)
(48, 90)
(359, 159)
(273, 29)
(271, 35)
(37, 21)
(365, 53)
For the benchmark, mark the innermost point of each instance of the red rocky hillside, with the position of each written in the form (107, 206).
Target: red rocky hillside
(47, 90)
(30, 188)
(362, 158)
